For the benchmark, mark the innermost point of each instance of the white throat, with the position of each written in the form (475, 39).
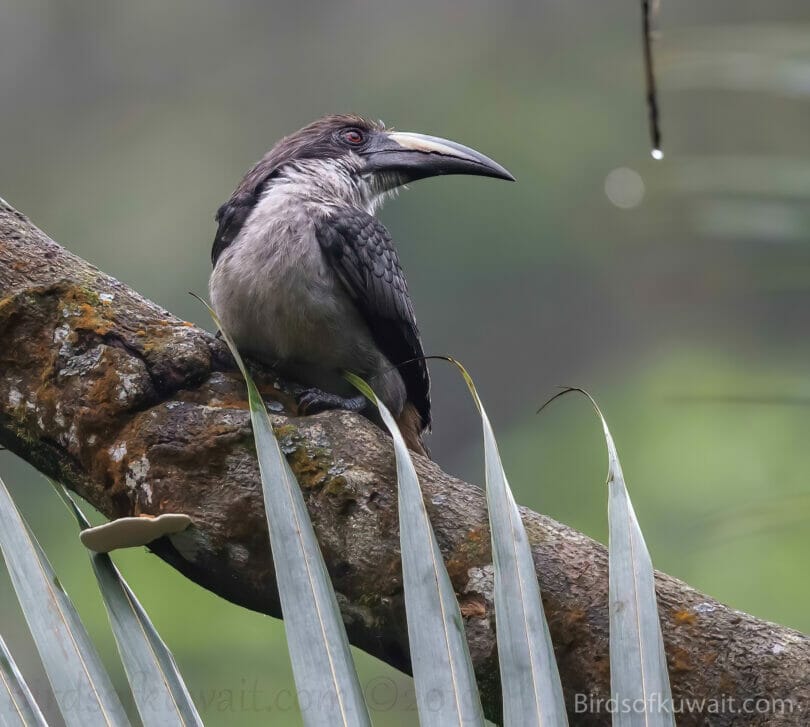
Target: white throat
(330, 184)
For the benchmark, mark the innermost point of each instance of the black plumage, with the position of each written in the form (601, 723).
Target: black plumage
(362, 253)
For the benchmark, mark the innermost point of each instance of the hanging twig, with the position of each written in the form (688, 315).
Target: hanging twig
(648, 9)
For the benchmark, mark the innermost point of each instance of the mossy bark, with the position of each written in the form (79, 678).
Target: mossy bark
(140, 412)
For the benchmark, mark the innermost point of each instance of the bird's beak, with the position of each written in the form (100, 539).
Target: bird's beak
(406, 157)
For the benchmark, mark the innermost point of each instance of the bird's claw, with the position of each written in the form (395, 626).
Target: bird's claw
(312, 401)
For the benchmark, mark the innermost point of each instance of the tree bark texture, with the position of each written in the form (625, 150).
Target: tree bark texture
(140, 412)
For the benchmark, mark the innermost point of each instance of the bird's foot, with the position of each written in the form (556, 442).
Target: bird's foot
(312, 401)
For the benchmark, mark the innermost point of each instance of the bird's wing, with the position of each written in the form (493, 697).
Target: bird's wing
(230, 218)
(362, 254)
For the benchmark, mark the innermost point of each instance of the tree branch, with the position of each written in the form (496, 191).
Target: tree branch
(140, 412)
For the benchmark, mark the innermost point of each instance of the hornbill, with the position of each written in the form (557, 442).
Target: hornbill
(306, 279)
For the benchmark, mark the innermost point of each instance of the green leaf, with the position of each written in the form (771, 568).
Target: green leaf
(319, 649)
(17, 705)
(530, 681)
(446, 690)
(639, 680)
(81, 685)
(160, 694)
(638, 664)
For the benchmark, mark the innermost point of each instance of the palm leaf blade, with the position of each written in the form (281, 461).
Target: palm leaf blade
(316, 637)
(160, 694)
(81, 685)
(530, 680)
(639, 680)
(638, 664)
(17, 705)
(446, 690)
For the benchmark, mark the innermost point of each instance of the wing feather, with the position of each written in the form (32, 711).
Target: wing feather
(363, 256)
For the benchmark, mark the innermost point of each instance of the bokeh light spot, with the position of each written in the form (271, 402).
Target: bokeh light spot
(624, 188)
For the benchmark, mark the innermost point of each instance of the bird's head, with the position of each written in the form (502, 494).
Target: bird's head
(348, 160)
(357, 154)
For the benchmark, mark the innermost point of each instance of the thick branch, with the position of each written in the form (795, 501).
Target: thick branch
(139, 412)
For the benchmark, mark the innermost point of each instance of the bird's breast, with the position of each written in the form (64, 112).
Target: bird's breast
(280, 300)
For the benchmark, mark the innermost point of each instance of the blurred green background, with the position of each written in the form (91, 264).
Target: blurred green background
(678, 292)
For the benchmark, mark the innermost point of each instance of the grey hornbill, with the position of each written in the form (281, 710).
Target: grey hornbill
(307, 280)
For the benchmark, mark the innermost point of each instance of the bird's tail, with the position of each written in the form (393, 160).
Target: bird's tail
(412, 428)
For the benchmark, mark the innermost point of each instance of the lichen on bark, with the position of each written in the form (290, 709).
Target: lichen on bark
(140, 412)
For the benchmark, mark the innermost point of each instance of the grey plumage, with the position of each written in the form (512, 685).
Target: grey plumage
(306, 278)
(282, 301)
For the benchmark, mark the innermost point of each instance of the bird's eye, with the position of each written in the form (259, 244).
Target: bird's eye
(353, 137)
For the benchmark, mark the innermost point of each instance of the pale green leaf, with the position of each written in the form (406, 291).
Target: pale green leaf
(639, 681)
(17, 705)
(530, 681)
(160, 694)
(446, 690)
(81, 685)
(322, 663)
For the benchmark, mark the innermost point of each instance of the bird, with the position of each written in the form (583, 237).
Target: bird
(307, 280)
